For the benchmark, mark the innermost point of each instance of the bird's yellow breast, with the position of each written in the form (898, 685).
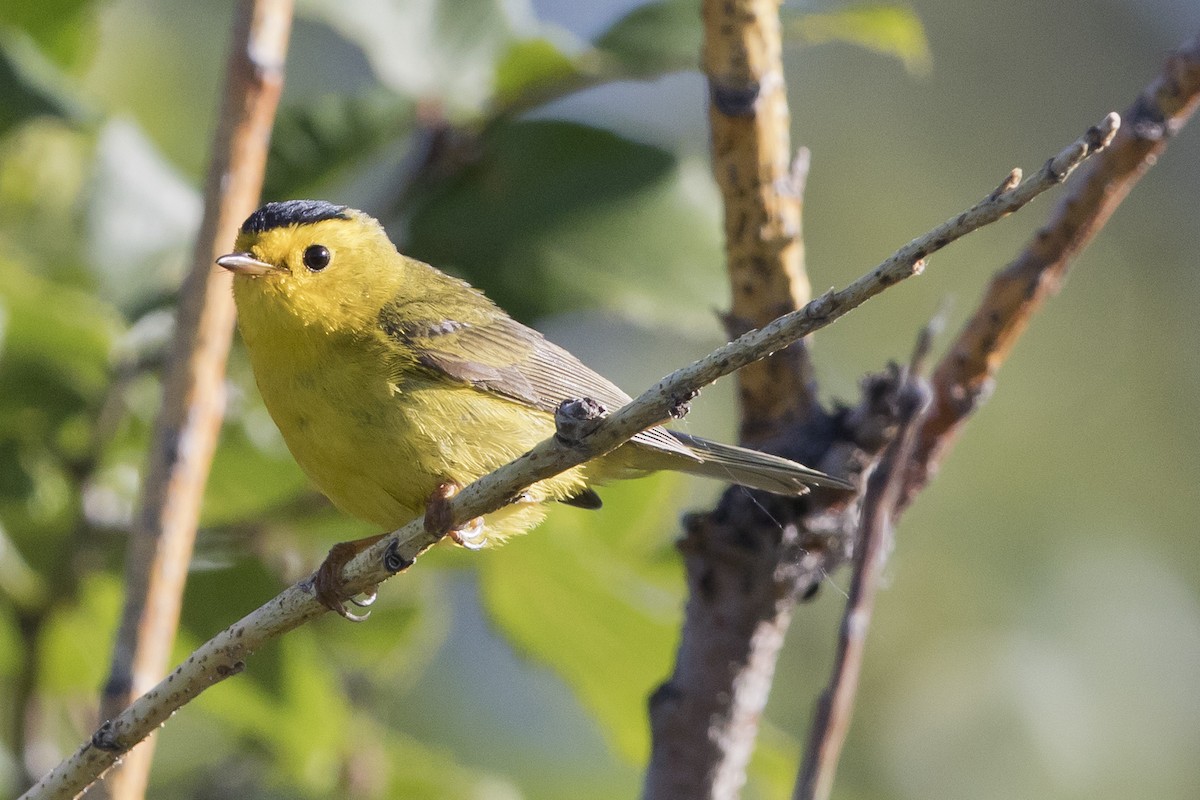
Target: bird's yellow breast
(378, 444)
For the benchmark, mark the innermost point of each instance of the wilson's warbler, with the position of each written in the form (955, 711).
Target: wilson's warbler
(389, 379)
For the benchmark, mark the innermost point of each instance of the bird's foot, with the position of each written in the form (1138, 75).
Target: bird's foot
(440, 522)
(328, 585)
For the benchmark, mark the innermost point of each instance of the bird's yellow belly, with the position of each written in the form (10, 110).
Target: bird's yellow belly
(378, 449)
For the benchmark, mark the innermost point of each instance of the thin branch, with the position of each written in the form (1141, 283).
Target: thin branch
(188, 423)
(747, 564)
(224, 655)
(752, 163)
(831, 720)
(966, 373)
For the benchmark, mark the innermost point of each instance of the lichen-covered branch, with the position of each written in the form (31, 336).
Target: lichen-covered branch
(185, 433)
(761, 187)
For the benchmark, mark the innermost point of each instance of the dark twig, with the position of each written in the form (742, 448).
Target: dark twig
(831, 720)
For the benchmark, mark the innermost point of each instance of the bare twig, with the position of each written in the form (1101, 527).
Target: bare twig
(185, 433)
(965, 375)
(746, 569)
(752, 162)
(224, 655)
(831, 720)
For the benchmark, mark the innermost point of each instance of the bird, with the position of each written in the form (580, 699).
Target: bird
(393, 384)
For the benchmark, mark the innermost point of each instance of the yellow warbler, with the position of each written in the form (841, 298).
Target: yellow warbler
(389, 379)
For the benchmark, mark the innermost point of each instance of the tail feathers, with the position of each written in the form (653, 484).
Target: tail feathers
(750, 468)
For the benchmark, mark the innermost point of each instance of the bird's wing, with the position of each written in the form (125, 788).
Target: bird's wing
(493, 352)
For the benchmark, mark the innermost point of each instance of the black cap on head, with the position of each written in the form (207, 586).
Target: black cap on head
(292, 212)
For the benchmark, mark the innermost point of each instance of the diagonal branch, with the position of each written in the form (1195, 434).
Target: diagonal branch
(965, 375)
(224, 655)
(749, 560)
(185, 433)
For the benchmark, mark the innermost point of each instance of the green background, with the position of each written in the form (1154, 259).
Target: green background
(1039, 633)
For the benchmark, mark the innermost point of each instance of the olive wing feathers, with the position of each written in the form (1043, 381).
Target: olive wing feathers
(493, 352)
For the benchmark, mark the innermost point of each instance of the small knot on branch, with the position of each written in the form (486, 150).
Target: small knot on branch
(393, 560)
(105, 738)
(1100, 136)
(1007, 185)
(228, 670)
(575, 419)
(681, 403)
(734, 99)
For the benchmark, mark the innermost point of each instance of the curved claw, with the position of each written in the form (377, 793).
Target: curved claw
(327, 582)
(350, 616)
(471, 535)
(367, 600)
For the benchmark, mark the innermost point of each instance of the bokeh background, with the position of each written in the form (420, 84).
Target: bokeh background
(1039, 635)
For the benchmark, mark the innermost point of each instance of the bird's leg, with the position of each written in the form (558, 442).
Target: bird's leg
(439, 522)
(327, 584)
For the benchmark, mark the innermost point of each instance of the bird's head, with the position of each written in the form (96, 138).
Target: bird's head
(320, 264)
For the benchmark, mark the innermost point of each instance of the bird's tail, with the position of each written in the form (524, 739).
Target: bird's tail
(750, 468)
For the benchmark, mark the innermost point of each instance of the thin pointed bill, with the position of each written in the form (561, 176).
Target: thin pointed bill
(245, 264)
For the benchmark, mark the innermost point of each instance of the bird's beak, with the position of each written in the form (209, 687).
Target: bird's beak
(245, 264)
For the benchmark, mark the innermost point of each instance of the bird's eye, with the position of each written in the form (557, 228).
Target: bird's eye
(316, 257)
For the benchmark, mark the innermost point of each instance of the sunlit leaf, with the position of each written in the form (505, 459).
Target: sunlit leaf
(891, 30)
(77, 638)
(530, 67)
(63, 29)
(773, 766)
(20, 585)
(245, 480)
(576, 595)
(302, 718)
(57, 341)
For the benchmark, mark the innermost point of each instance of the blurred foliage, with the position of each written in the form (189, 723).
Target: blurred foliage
(887, 29)
(489, 138)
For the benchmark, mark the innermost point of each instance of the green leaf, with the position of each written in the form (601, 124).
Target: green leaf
(20, 585)
(246, 480)
(891, 30)
(314, 142)
(62, 29)
(53, 371)
(31, 86)
(587, 216)
(654, 38)
(302, 719)
(595, 595)
(78, 638)
(531, 68)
